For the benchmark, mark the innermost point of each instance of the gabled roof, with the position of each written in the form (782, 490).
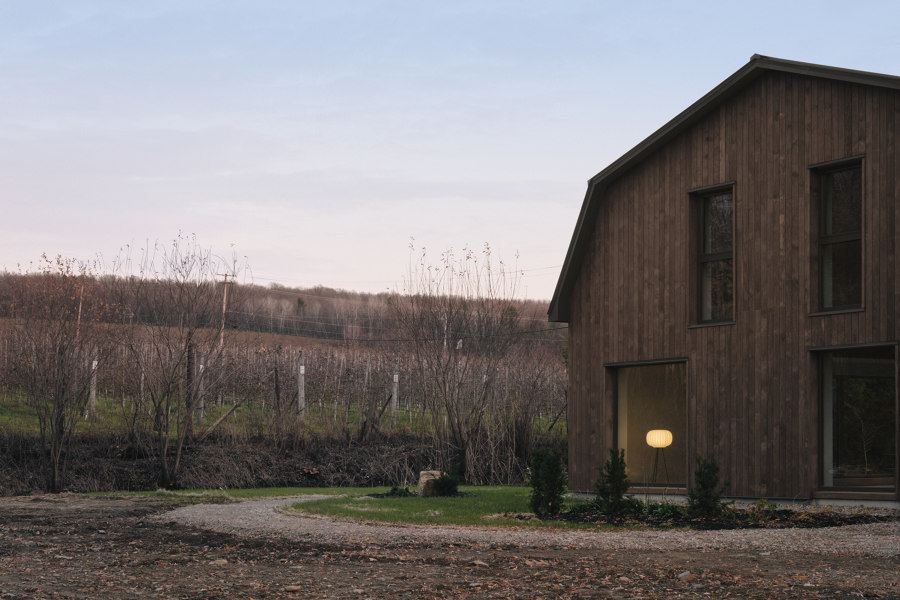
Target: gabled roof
(560, 304)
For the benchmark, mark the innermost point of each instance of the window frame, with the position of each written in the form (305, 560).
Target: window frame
(820, 173)
(615, 370)
(699, 201)
(826, 425)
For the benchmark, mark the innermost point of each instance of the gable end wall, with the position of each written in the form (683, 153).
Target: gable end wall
(752, 386)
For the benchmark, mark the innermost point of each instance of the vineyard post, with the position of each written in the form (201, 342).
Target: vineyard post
(337, 393)
(201, 408)
(301, 385)
(91, 412)
(395, 397)
(188, 419)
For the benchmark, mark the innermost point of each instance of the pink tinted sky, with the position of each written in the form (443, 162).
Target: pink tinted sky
(313, 139)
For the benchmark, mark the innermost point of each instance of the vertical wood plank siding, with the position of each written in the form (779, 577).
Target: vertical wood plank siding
(752, 385)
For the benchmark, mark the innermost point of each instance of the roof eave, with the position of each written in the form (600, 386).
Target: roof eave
(559, 310)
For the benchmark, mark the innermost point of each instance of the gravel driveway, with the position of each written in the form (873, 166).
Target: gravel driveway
(269, 518)
(96, 548)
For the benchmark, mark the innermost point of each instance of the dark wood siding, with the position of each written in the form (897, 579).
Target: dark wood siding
(752, 385)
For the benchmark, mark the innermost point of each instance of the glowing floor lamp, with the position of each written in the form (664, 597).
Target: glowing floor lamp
(659, 439)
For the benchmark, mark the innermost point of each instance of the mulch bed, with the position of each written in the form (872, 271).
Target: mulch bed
(737, 519)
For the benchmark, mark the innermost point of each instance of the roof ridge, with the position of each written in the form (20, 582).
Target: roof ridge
(737, 81)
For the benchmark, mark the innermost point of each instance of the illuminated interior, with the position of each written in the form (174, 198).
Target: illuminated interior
(653, 398)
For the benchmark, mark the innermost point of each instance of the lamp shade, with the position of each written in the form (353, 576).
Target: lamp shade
(659, 438)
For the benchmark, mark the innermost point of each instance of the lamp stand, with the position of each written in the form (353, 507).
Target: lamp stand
(656, 466)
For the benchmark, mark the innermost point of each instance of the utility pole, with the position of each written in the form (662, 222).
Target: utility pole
(80, 301)
(224, 307)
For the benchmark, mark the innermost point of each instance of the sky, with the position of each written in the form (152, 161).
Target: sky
(314, 142)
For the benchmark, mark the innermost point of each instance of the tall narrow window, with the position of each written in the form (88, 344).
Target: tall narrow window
(859, 419)
(840, 238)
(651, 404)
(715, 268)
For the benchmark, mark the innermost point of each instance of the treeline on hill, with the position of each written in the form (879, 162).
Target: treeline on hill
(319, 312)
(141, 381)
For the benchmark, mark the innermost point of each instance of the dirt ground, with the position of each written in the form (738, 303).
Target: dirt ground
(71, 546)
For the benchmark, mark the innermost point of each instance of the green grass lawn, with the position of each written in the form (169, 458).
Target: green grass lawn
(15, 413)
(115, 415)
(476, 505)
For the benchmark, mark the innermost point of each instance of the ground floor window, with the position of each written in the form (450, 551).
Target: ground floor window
(859, 419)
(649, 399)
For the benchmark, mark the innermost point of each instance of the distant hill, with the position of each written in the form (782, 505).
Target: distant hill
(317, 313)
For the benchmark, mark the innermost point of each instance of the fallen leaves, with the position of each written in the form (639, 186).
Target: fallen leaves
(66, 556)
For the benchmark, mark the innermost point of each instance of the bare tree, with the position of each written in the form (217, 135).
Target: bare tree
(177, 331)
(57, 341)
(460, 318)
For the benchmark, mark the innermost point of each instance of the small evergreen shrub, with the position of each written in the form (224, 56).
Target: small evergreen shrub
(612, 485)
(548, 483)
(398, 492)
(446, 485)
(705, 497)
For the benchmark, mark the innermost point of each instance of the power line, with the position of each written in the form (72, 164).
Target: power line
(342, 320)
(327, 334)
(391, 286)
(388, 281)
(465, 337)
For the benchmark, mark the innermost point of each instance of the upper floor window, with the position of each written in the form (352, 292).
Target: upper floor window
(715, 259)
(840, 237)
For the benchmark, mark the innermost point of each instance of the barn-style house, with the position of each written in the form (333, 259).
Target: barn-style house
(731, 286)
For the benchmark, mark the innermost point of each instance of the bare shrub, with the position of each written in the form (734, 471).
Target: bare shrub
(459, 318)
(175, 342)
(57, 340)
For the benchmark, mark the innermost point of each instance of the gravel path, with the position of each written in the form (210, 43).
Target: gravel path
(265, 518)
